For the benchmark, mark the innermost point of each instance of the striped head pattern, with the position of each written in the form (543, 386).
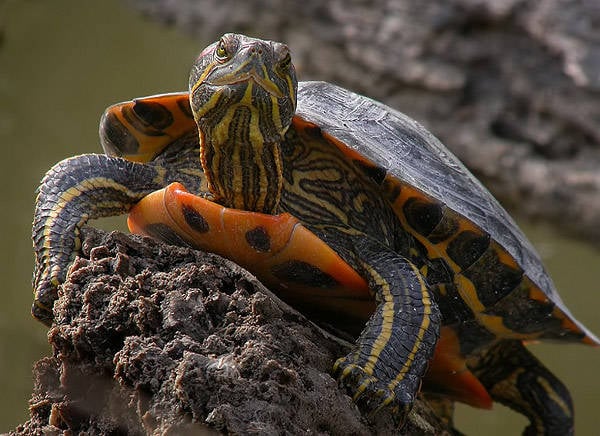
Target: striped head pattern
(243, 95)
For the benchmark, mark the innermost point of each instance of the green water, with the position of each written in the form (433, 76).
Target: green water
(61, 64)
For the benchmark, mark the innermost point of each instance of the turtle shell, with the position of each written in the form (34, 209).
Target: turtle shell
(402, 155)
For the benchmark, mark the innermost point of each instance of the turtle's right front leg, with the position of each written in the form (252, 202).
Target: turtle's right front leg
(74, 191)
(397, 343)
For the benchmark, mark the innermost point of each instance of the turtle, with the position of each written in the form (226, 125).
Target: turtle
(350, 210)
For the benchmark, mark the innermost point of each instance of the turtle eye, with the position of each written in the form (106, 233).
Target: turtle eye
(221, 51)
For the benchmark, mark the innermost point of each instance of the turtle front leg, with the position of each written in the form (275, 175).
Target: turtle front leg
(72, 192)
(394, 348)
(517, 379)
(82, 188)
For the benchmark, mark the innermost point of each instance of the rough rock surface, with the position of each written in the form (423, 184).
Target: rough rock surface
(156, 339)
(511, 86)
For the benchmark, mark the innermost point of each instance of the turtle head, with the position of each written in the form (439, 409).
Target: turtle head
(239, 76)
(243, 96)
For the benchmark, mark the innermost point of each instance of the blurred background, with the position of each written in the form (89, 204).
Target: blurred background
(63, 62)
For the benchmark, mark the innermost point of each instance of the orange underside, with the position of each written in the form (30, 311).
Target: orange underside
(289, 240)
(448, 373)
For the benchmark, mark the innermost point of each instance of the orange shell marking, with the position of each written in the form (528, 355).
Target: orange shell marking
(171, 119)
(273, 247)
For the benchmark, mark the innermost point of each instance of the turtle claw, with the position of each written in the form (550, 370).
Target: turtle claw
(45, 290)
(42, 313)
(370, 394)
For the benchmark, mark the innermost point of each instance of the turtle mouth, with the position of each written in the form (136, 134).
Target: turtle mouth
(250, 76)
(237, 78)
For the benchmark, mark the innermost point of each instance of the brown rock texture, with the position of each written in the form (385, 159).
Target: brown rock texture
(511, 86)
(156, 339)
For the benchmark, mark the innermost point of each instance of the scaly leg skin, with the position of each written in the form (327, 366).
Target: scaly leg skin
(79, 189)
(158, 132)
(394, 348)
(517, 379)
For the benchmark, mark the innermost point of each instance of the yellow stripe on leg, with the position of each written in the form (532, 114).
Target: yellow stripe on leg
(425, 323)
(387, 323)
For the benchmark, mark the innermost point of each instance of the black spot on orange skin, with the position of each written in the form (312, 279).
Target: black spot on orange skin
(447, 227)
(259, 239)
(392, 188)
(374, 172)
(195, 220)
(313, 132)
(185, 107)
(296, 271)
(493, 280)
(155, 114)
(467, 247)
(422, 216)
(118, 140)
(138, 123)
(164, 233)
(525, 315)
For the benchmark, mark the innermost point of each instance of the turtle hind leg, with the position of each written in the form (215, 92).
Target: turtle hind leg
(517, 379)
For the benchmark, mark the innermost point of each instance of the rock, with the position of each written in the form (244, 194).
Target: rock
(512, 87)
(156, 339)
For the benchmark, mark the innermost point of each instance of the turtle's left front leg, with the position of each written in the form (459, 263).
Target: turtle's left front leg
(84, 188)
(394, 349)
